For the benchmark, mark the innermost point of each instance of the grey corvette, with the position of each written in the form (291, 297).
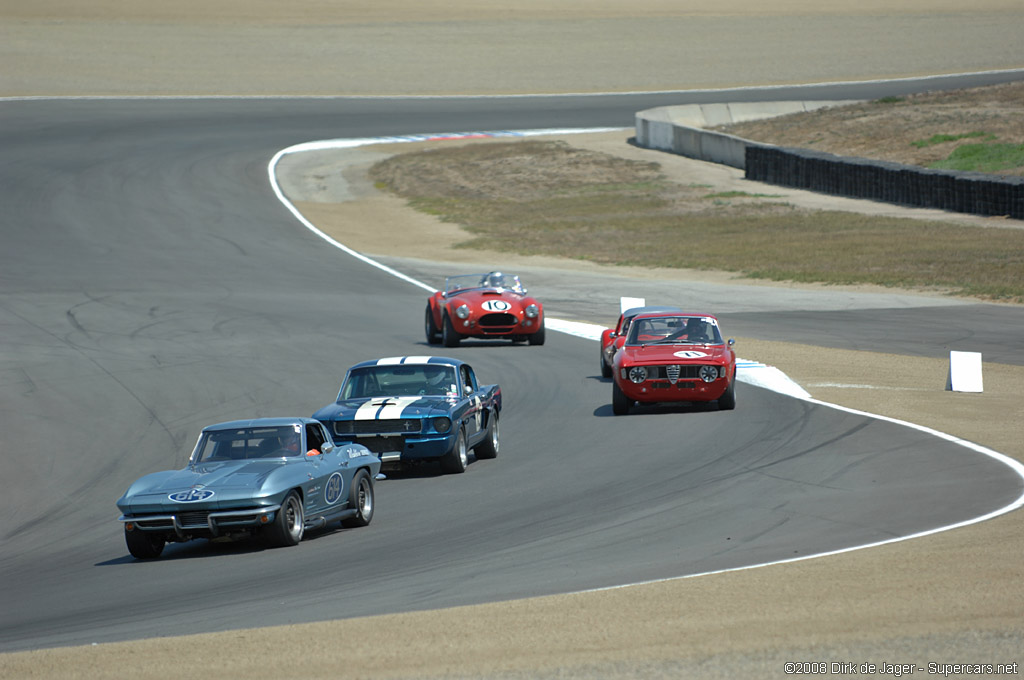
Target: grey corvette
(275, 477)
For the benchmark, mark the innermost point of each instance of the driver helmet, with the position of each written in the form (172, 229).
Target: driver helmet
(495, 279)
(290, 442)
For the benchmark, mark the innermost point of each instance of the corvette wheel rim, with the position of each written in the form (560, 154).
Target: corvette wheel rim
(365, 499)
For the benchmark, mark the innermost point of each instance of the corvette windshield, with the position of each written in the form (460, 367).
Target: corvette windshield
(674, 330)
(400, 380)
(456, 284)
(248, 442)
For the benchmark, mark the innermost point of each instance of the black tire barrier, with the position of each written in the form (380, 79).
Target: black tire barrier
(974, 193)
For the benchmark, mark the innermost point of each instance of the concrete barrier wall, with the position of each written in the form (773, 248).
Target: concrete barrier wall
(679, 130)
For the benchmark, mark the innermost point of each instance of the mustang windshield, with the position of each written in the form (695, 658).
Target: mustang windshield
(400, 380)
(674, 330)
(248, 442)
(456, 284)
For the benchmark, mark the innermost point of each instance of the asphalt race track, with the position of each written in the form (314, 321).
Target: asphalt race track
(152, 283)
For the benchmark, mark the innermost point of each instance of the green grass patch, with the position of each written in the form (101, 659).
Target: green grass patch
(942, 139)
(983, 158)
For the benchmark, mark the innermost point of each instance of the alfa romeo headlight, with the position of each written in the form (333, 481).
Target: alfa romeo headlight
(638, 374)
(462, 312)
(531, 311)
(708, 373)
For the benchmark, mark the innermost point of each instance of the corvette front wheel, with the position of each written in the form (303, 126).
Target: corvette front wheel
(288, 525)
(360, 499)
(144, 545)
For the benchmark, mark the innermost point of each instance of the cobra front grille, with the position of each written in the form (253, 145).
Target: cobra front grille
(497, 322)
(371, 427)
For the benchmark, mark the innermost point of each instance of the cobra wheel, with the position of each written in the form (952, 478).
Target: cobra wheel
(537, 337)
(448, 335)
(488, 448)
(727, 401)
(360, 499)
(288, 525)
(456, 460)
(620, 402)
(432, 331)
(144, 545)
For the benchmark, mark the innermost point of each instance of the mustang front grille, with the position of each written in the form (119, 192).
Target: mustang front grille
(373, 427)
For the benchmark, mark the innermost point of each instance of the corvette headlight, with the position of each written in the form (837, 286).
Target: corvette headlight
(462, 312)
(638, 374)
(708, 373)
(442, 424)
(531, 311)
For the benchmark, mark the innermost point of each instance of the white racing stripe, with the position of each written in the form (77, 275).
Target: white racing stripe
(384, 408)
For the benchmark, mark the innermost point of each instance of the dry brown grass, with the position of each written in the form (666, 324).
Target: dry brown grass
(549, 198)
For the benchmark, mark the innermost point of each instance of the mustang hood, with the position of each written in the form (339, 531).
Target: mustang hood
(386, 408)
(676, 354)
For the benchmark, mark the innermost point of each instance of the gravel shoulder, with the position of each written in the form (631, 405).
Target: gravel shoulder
(946, 598)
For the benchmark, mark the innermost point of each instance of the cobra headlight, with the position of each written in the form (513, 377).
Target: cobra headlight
(708, 373)
(442, 424)
(462, 311)
(531, 311)
(638, 374)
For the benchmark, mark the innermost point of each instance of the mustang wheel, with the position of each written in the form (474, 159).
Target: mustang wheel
(606, 370)
(488, 448)
(360, 499)
(433, 332)
(144, 545)
(448, 335)
(288, 526)
(620, 402)
(727, 401)
(456, 460)
(537, 338)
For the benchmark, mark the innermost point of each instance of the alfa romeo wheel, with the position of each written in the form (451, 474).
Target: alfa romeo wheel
(621, 404)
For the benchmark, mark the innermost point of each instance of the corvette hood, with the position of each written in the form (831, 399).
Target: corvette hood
(235, 474)
(386, 408)
(202, 486)
(675, 354)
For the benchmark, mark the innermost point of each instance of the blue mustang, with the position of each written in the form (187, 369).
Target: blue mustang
(414, 409)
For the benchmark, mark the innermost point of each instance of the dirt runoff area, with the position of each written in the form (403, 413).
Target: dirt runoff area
(953, 597)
